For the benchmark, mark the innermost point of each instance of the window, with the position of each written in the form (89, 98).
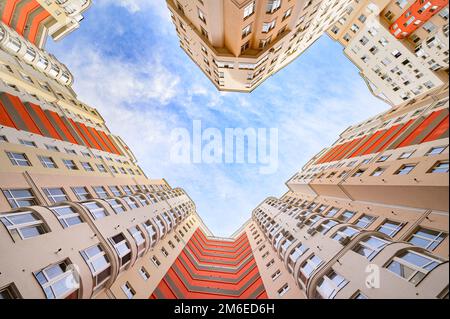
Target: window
(70, 165)
(138, 238)
(81, 193)
(268, 26)
(287, 14)
(383, 158)
(344, 234)
(412, 266)
(122, 248)
(378, 171)
(27, 143)
(333, 211)
(9, 292)
(346, 216)
(326, 226)
(144, 273)
(116, 205)
(435, 151)
(47, 162)
(273, 5)
(246, 31)
(201, 15)
(249, 10)
(97, 211)
(405, 169)
(156, 261)
(18, 159)
(360, 295)
(128, 290)
(99, 265)
(276, 274)
(359, 173)
(427, 238)
(330, 284)
(115, 191)
(20, 197)
(406, 155)
(55, 195)
(365, 221)
(100, 191)
(164, 252)
(439, 167)
(54, 281)
(390, 228)
(429, 27)
(370, 246)
(67, 216)
(283, 290)
(52, 148)
(131, 202)
(23, 225)
(308, 267)
(3, 138)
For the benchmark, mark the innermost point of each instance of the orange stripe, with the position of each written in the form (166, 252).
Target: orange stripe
(393, 138)
(5, 119)
(424, 125)
(24, 14)
(9, 11)
(99, 140)
(34, 29)
(75, 126)
(438, 131)
(380, 140)
(89, 136)
(114, 146)
(63, 128)
(40, 113)
(26, 118)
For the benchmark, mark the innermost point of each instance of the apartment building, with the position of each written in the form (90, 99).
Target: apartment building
(37, 19)
(399, 60)
(364, 218)
(240, 43)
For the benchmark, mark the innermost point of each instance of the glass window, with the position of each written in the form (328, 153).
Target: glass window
(333, 211)
(330, 284)
(23, 225)
(122, 248)
(9, 292)
(412, 266)
(326, 226)
(100, 191)
(67, 216)
(345, 233)
(97, 211)
(131, 202)
(87, 166)
(18, 159)
(427, 238)
(405, 169)
(249, 9)
(346, 216)
(365, 221)
(308, 267)
(47, 162)
(115, 190)
(55, 195)
(20, 197)
(81, 193)
(58, 281)
(144, 273)
(99, 265)
(101, 168)
(138, 238)
(116, 205)
(390, 228)
(370, 246)
(435, 151)
(405, 155)
(70, 165)
(440, 167)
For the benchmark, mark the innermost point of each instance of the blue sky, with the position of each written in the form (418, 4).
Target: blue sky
(127, 63)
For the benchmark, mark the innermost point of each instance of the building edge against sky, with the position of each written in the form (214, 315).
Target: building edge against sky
(75, 202)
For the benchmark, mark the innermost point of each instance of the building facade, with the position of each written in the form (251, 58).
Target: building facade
(364, 218)
(37, 19)
(240, 43)
(400, 47)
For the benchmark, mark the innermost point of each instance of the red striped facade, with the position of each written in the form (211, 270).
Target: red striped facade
(208, 269)
(432, 127)
(415, 16)
(32, 118)
(26, 17)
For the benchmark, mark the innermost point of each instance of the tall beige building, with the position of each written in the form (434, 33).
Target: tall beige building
(240, 43)
(364, 218)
